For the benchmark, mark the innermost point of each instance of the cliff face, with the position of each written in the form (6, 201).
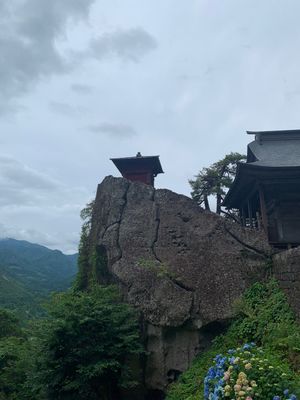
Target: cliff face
(286, 269)
(182, 267)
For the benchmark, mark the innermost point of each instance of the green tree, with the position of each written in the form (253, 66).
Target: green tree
(9, 324)
(15, 358)
(84, 345)
(81, 282)
(215, 180)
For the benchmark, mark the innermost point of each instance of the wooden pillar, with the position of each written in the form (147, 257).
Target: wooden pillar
(263, 208)
(250, 213)
(258, 220)
(243, 216)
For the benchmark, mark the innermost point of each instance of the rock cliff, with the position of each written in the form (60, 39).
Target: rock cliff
(181, 266)
(286, 269)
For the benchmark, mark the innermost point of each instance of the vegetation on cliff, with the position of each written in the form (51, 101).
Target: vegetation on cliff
(78, 351)
(264, 317)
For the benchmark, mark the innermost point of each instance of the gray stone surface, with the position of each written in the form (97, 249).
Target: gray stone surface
(181, 266)
(286, 268)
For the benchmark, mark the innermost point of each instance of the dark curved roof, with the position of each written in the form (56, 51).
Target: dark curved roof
(276, 148)
(273, 154)
(150, 163)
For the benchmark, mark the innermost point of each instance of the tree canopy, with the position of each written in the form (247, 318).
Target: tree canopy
(84, 345)
(215, 180)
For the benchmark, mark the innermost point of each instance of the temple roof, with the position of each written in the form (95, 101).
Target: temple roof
(138, 162)
(272, 155)
(275, 149)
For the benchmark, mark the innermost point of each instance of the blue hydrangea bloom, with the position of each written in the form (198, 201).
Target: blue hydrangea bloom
(246, 346)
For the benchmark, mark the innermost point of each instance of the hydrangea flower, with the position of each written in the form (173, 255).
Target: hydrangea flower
(240, 375)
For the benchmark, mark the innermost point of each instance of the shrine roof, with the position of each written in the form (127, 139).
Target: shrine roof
(138, 162)
(272, 155)
(275, 149)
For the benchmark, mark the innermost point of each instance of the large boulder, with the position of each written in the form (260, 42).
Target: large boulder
(181, 266)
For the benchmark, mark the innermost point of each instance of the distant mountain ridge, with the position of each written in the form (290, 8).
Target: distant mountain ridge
(29, 272)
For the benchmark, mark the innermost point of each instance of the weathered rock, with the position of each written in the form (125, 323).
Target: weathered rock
(181, 266)
(286, 268)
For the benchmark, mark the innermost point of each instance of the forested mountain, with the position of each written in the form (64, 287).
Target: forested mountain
(29, 272)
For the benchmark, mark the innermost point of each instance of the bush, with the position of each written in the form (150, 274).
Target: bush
(84, 345)
(263, 316)
(247, 373)
(260, 311)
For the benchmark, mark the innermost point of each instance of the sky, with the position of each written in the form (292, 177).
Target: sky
(82, 81)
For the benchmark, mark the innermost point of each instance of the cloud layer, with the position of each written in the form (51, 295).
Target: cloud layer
(97, 79)
(30, 31)
(128, 45)
(30, 196)
(113, 129)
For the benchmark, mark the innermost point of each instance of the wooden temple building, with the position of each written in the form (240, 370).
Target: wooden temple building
(139, 168)
(266, 189)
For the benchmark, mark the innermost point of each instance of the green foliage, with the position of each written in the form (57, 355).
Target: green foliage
(81, 281)
(15, 358)
(84, 345)
(160, 269)
(15, 296)
(84, 262)
(86, 212)
(248, 372)
(260, 311)
(9, 324)
(14, 365)
(100, 273)
(29, 272)
(38, 268)
(263, 316)
(190, 384)
(215, 180)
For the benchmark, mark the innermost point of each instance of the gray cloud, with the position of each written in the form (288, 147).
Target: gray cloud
(43, 20)
(31, 200)
(21, 185)
(30, 32)
(28, 50)
(70, 241)
(129, 45)
(15, 173)
(64, 109)
(24, 186)
(81, 89)
(111, 129)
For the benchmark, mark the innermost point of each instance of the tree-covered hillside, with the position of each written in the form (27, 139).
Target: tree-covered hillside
(29, 272)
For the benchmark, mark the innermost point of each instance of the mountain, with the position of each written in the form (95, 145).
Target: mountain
(30, 272)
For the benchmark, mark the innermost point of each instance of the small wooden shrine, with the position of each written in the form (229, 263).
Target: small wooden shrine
(139, 168)
(266, 189)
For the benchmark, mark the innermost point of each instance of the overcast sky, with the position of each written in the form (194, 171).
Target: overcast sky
(85, 80)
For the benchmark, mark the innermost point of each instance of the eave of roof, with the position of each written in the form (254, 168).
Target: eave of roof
(283, 131)
(143, 161)
(250, 173)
